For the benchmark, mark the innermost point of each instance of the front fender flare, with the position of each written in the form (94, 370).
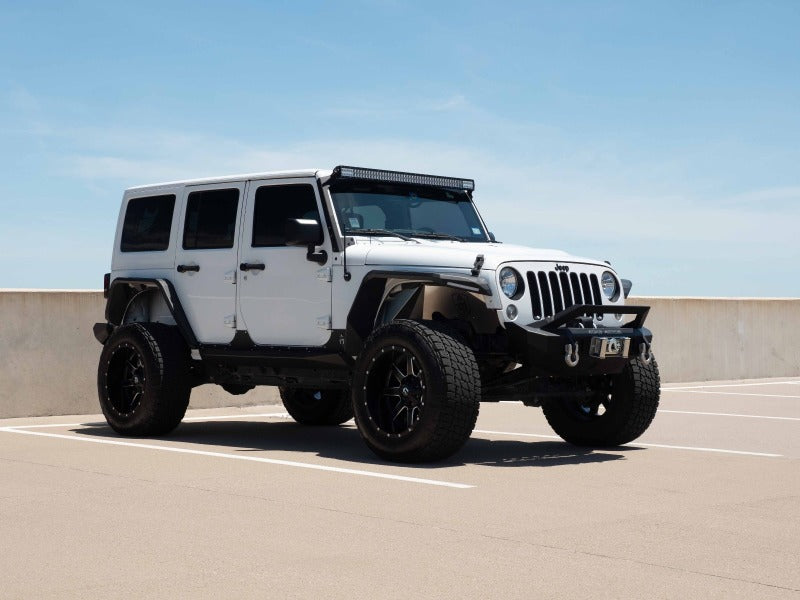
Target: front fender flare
(368, 300)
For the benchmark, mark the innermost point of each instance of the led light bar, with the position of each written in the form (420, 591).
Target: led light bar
(343, 172)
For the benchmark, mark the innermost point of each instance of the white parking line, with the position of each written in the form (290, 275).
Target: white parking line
(276, 415)
(715, 414)
(724, 385)
(687, 391)
(647, 445)
(271, 461)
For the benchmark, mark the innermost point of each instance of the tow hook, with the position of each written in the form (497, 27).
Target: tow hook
(645, 355)
(571, 357)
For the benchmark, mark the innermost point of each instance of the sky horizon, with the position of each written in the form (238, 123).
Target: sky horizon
(664, 138)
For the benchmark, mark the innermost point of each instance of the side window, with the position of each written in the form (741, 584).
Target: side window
(147, 223)
(210, 219)
(276, 203)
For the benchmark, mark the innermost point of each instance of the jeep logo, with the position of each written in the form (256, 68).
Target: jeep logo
(563, 268)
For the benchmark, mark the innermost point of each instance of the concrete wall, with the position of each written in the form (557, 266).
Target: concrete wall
(48, 355)
(701, 339)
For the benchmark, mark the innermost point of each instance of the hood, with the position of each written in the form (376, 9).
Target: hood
(461, 254)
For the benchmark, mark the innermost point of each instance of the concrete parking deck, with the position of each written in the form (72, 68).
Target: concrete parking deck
(244, 503)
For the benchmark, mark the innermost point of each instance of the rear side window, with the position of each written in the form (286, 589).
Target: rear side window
(210, 219)
(276, 203)
(147, 224)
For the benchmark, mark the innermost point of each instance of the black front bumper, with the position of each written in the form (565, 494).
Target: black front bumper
(550, 346)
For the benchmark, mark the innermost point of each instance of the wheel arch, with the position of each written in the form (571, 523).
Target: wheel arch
(124, 292)
(387, 295)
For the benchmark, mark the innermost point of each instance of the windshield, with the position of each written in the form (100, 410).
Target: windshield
(421, 212)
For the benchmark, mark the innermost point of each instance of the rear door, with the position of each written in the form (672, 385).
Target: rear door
(205, 261)
(284, 299)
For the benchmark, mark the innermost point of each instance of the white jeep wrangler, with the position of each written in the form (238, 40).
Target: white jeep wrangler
(367, 293)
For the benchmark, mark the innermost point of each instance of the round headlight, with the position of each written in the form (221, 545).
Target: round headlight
(609, 284)
(509, 281)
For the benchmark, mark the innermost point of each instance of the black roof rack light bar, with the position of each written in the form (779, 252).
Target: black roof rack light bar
(361, 173)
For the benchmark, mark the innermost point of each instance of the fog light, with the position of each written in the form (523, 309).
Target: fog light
(511, 312)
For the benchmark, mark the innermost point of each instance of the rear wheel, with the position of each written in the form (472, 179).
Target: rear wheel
(317, 407)
(416, 392)
(617, 414)
(143, 379)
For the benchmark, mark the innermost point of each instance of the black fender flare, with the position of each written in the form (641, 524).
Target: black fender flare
(124, 289)
(368, 300)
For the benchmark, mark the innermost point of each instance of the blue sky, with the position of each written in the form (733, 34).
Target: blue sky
(664, 137)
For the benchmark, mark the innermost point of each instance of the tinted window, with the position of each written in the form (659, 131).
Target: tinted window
(147, 224)
(210, 219)
(275, 204)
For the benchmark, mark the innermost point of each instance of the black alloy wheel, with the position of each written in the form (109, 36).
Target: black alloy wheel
(619, 412)
(416, 392)
(126, 380)
(143, 379)
(395, 391)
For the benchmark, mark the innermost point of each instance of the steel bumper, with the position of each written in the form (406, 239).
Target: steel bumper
(556, 347)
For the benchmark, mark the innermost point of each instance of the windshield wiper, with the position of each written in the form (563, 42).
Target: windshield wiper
(381, 232)
(439, 236)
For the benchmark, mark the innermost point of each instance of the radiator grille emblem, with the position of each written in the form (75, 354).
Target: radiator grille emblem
(563, 268)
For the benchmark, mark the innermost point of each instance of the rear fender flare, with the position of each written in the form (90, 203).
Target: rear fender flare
(124, 291)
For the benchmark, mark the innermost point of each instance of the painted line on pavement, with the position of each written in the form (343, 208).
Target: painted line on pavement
(727, 393)
(648, 445)
(277, 415)
(270, 461)
(724, 385)
(715, 414)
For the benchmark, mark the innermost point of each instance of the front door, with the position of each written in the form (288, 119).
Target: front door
(205, 261)
(284, 299)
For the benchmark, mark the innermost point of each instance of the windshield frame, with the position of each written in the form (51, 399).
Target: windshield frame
(333, 187)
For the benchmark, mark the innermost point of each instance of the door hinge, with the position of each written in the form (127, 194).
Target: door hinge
(230, 321)
(230, 277)
(325, 274)
(324, 322)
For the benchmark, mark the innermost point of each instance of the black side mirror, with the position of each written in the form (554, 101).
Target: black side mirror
(302, 232)
(306, 232)
(491, 237)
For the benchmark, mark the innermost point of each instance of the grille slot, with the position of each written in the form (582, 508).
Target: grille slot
(551, 291)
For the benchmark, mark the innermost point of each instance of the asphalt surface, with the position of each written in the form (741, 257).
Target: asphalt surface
(244, 503)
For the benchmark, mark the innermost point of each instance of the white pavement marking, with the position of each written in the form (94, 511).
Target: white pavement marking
(723, 385)
(687, 391)
(715, 414)
(270, 461)
(277, 415)
(648, 445)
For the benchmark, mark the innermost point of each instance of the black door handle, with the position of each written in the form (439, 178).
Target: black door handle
(252, 266)
(185, 268)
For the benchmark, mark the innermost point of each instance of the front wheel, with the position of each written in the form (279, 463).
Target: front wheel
(416, 392)
(617, 414)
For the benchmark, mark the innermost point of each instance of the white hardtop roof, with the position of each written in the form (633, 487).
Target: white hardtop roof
(230, 178)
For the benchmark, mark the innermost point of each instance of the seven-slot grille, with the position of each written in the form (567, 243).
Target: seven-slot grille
(552, 291)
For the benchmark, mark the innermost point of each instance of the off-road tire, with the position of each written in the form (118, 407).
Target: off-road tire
(153, 360)
(317, 407)
(450, 392)
(633, 403)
